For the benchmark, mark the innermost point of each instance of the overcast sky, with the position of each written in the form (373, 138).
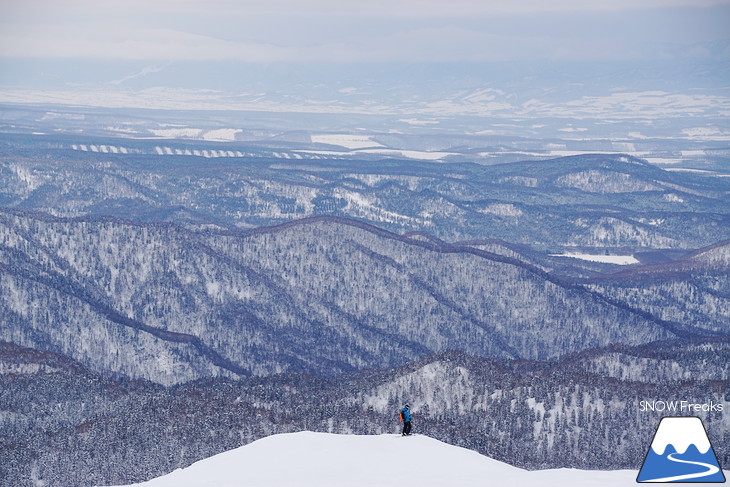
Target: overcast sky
(362, 31)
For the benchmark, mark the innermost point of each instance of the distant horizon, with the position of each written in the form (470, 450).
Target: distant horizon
(395, 31)
(583, 67)
(133, 44)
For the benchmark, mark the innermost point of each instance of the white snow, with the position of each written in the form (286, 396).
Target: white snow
(418, 154)
(605, 182)
(686, 169)
(607, 259)
(107, 149)
(673, 198)
(367, 207)
(225, 135)
(349, 141)
(555, 150)
(176, 133)
(27, 176)
(501, 209)
(327, 460)
(67, 116)
(409, 154)
(706, 133)
(681, 432)
(125, 130)
(418, 121)
(659, 161)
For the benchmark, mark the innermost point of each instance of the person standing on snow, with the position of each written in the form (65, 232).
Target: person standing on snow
(405, 416)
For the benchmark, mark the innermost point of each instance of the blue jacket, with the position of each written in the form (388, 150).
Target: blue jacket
(406, 414)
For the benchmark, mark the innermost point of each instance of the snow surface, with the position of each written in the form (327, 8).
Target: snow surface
(221, 135)
(349, 141)
(323, 460)
(706, 133)
(606, 259)
(502, 209)
(418, 121)
(686, 169)
(408, 154)
(176, 133)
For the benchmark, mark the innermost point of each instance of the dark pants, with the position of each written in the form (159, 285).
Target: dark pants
(406, 427)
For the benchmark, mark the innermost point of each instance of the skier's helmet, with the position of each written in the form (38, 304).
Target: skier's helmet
(407, 406)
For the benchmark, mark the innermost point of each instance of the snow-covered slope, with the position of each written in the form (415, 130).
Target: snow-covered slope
(321, 459)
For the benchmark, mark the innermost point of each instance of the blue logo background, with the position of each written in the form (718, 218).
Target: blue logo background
(689, 466)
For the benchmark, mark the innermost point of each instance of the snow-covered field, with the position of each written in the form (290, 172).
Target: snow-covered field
(606, 259)
(176, 133)
(221, 135)
(323, 460)
(349, 141)
(408, 154)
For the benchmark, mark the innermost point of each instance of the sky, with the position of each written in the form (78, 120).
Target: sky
(622, 58)
(364, 31)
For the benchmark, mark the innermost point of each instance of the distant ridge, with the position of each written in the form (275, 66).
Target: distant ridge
(199, 296)
(598, 201)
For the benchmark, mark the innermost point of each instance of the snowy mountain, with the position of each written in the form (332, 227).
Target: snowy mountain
(62, 424)
(321, 295)
(690, 289)
(599, 201)
(322, 460)
(165, 300)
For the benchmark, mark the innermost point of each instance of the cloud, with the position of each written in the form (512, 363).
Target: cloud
(98, 42)
(356, 31)
(351, 7)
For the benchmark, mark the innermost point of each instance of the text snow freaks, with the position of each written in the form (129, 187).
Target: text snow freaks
(679, 406)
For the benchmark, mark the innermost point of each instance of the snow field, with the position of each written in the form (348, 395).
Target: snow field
(328, 460)
(606, 259)
(348, 141)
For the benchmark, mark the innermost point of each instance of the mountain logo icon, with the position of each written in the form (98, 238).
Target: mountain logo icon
(680, 452)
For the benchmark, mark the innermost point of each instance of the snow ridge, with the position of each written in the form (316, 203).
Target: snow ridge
(324, 460)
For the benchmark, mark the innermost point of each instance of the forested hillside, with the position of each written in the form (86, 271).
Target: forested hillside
(321, 296)
(64, 425)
